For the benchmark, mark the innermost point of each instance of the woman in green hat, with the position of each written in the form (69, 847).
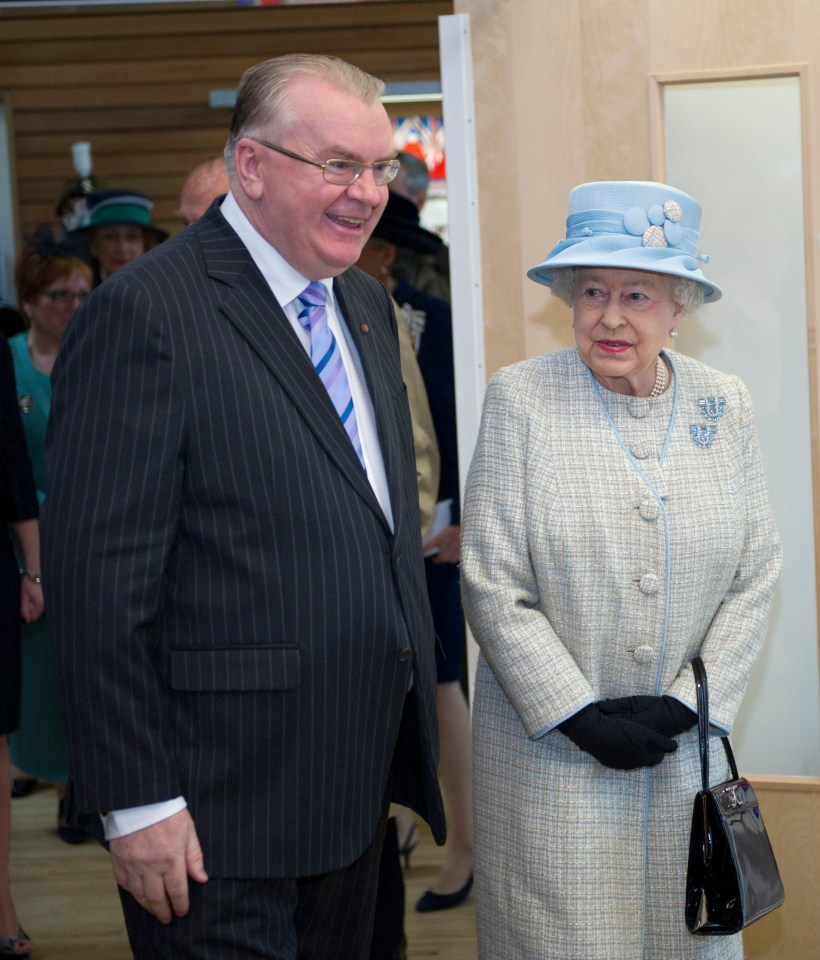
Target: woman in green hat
(118, 223)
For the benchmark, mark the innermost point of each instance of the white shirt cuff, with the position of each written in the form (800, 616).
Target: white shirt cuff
(119, 823)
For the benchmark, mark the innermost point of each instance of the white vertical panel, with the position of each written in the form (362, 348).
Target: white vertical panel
(465, 259)
(735, 145)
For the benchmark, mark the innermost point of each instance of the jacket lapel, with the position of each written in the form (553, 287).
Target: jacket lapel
(252, 309)
(366, 311)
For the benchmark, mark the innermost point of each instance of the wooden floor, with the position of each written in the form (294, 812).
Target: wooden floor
(67, 901)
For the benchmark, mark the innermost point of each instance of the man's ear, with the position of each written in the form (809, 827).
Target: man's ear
(248, 162)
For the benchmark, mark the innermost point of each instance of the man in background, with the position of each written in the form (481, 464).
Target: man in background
(428, 272)
(207, 180)
(413, 179)
(233, 552)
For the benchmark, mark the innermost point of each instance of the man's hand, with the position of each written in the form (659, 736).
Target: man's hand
(447, 545)
(154, 864)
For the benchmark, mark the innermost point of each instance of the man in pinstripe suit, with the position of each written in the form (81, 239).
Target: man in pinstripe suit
(236, 575)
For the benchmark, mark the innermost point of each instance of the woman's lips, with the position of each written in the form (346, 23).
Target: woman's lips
(613, 346)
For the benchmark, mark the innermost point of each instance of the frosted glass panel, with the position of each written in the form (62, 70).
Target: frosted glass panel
(736, 147)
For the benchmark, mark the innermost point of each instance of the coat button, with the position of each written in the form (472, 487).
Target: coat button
(649, 509)
(639, 407)
(644, 654)
(649, 584)
(405, 654)
(641, 451)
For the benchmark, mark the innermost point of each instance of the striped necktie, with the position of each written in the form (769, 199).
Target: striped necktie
(327, 359)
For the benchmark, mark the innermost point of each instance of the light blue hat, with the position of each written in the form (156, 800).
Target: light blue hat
(631, 225)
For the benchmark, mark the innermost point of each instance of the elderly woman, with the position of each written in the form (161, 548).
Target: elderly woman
(117, 226)
(51, 283)
(616, 523)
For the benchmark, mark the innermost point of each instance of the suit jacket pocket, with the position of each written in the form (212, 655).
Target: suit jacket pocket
(235, 668)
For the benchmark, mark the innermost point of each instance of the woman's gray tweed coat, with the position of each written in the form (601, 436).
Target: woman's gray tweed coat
(601, 551)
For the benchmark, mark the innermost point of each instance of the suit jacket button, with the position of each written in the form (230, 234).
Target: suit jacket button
(405, 654)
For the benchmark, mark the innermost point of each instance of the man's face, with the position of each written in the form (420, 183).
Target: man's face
(319, 227)
(198, 192)
(194, 200)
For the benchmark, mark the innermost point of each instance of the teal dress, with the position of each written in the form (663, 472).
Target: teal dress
(39, 747)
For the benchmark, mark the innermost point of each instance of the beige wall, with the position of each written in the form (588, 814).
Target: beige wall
(563, 95)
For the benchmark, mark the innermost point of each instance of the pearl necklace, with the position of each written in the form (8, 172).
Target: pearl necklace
(660, 380)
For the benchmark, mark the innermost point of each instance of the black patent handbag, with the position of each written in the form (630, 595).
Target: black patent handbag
(732, 878)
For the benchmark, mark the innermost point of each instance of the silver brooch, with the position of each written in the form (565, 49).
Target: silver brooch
(712, 407)
(704, 437)
(25, 402)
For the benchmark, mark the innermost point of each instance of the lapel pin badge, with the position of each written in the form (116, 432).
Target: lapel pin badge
(365, 328)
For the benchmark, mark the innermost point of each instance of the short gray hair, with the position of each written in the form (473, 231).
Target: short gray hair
(688, 293)
(413, 175)
(262, 101)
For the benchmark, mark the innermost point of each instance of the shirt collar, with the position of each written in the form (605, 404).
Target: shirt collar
(285, 282)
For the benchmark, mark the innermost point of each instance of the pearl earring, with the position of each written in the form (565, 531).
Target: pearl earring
(673, 333)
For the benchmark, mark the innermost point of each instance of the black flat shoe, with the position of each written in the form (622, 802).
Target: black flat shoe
(22, 788)
(9, 946)
(444, 901)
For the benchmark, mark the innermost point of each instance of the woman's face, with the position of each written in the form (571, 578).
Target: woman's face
(116, 244)
(50, 311)
(621, 320)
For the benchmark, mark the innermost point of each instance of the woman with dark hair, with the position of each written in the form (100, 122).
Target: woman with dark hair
(51, 283)
(21, 595)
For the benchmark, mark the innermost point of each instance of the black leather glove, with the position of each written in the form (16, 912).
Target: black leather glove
(664, 714)
(615, 742)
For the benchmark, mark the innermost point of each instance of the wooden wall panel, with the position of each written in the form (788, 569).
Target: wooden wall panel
(791, 810)
(135, 82)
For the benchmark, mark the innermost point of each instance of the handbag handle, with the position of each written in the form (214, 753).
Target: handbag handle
(702, 690)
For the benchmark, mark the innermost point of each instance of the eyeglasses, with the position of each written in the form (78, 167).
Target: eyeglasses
(64, 296)
(344, 172)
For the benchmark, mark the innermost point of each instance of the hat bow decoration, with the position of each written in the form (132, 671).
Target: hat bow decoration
(631, 225)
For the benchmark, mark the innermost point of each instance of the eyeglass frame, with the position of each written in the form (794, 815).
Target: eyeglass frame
(391, 166)
(64, 297)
